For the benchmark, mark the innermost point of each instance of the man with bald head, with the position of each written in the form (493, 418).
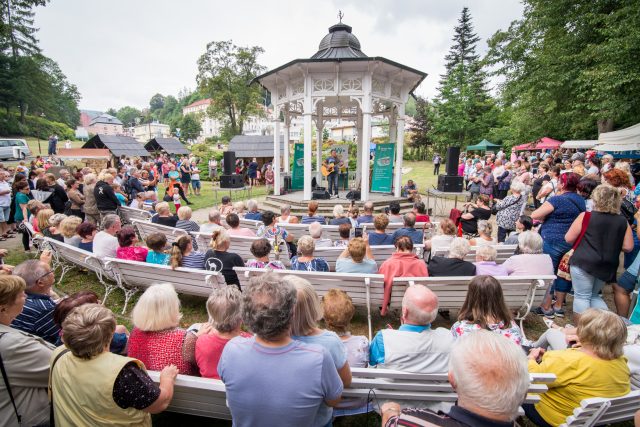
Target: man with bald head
(415, 346)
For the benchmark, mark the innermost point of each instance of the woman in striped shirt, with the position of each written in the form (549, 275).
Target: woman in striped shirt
(183, 255)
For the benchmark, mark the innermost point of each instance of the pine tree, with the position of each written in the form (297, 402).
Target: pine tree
(463, 109)
(421, 128)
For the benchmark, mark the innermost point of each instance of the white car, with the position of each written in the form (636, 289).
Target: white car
(11, 148)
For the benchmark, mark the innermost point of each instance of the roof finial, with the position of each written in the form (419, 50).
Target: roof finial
(340, 15)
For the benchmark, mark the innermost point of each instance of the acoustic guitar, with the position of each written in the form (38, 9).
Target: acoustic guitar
(327, 169)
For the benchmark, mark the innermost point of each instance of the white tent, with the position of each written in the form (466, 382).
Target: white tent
(573, 145)
(621, 140)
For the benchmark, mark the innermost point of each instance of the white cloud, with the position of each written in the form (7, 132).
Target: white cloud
(122, 52)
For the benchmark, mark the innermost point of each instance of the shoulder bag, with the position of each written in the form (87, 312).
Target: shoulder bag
(564, 269)
(8, 386)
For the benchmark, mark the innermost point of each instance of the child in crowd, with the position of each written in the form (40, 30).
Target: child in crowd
(157, 242)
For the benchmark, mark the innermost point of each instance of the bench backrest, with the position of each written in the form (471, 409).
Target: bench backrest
(144, 228)
(353, 284)
(298, 230)
(393, 226)
(127, 214)
(241, 245)
(186, 281)
(603, 411)
(380, 253)
(78, 257)
(207, 397)
(253, 224)
(452, 291)
(504, 252)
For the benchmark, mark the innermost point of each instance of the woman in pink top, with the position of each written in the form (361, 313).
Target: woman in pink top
(403, 263)
(234, 222)
(225, 317)
(127, 239)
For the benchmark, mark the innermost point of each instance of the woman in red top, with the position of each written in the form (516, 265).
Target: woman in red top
(127, 249)
(156, 339)
(403, 263)
(225, 316)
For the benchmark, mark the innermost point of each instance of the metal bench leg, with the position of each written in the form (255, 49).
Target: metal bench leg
(65, 268)
(128, 293)
(367, 284)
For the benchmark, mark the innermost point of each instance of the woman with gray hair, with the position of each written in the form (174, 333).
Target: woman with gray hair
(529, 260)
(224, 307)
(339, 216)
(90, 385)
(305, 261)
(304, 326)
(453, 264)
(486, 262)
(315, 231)
(509, 209)
(485, 230)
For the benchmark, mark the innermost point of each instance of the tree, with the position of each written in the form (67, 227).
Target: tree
(189, 126)
(112, 112)
(570, 68)
(128, 115)
(224, 73)
(463, 109)
(156, 102)
(421, 128)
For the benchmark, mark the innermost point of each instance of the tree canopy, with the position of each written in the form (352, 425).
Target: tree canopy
(224, 73)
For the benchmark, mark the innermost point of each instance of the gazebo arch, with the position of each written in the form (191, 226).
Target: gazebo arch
(340, 82)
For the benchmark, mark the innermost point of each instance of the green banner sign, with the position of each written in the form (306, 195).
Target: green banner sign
(382, 177)
(297, 173)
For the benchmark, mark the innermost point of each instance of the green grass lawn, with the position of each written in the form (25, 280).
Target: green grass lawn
(39, 146)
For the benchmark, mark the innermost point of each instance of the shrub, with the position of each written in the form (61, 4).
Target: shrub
(34, 126)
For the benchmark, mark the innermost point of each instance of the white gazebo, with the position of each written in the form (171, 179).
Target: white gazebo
(340, 82)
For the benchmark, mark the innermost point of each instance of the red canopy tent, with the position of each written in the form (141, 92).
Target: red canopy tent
(523, 147)
(547, 143)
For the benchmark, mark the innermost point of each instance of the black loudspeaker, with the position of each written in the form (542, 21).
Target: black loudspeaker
(229, 162)
(231, 181)
(450, 184)
(453, 155)
(320, 194)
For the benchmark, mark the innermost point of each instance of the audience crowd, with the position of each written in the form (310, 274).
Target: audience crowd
(66, 356)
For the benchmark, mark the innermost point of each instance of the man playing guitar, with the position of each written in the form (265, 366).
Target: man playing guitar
(330, 167)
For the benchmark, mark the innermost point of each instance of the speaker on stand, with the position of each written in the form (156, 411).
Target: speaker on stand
(229, 160)
(453, 155)
(451, 182)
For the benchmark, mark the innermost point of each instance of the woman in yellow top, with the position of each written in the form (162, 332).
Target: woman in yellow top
(594, 367)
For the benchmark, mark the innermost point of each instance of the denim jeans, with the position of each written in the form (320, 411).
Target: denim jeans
(502, 234)
(556, 251)
(533, 415)
(333, 183)
(586, 291)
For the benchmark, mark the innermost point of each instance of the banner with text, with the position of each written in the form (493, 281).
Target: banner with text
(297, 173)
(382, 177)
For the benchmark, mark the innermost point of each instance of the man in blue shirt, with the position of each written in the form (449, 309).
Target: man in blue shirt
(271, 379)
(367, 217)
(408, 230)
(37, 315)
(253, 213)
(414, 347)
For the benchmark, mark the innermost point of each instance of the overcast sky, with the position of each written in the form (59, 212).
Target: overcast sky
(122, 52)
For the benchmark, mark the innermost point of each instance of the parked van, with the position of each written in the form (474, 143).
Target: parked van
(14, 149)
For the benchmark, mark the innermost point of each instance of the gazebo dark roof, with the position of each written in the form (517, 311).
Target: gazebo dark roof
(170, 145)
(118, 145)
(254, 145)
(339, 43)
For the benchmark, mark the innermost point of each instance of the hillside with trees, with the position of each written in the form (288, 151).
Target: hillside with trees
(35, 96)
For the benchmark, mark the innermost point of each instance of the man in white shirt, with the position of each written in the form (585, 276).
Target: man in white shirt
(64, 176)
(105, 244)
(5, 203)
(213, 224)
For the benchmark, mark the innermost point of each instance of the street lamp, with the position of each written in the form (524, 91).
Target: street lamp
(38, 137)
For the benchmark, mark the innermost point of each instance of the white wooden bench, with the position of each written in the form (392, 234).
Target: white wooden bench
(604, 411)
(70, 256)
(504, 252)
(380, 253)
(132, 275)
(299, 230)
(521, 293)
(127, 214)
(252, 224)
(207, 397)
(366, 290)
(393, 226)
(241, 245)
(144, 228)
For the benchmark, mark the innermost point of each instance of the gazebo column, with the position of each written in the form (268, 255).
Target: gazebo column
(358, 124)
(399, 151)
(366, 136)
(287, 162)
(308, 135)
(319, 128)
(276, 157)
